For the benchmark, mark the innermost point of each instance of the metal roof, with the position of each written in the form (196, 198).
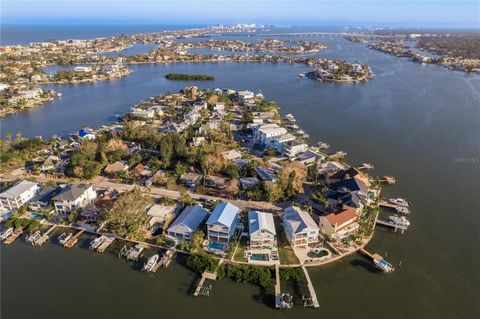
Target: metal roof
(224, 214)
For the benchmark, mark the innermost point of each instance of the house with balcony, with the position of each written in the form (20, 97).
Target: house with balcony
(74, 197)
(222, 223)
(300, 228)
(340, 224)
(263, 238)
(18, 194)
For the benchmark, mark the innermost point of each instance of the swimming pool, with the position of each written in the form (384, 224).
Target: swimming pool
(260, 257)
(216, 246)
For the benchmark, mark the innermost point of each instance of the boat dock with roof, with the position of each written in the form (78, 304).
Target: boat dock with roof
(12, 236)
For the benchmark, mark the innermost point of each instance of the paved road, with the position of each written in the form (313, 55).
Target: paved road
(101, 182)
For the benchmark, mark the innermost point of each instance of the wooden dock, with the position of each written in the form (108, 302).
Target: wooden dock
(16, 233)
(367, 253)
(277, 283)
(312, 301)
(72, 241)
(282, 300)
(205, 290)
(106, 242)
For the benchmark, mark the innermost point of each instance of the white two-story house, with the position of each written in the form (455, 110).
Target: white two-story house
(18, 194)
(74, 196)
(222, 222)
(300, 228)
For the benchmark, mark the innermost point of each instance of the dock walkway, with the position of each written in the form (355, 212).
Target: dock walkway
(201, 289)
(313, 295)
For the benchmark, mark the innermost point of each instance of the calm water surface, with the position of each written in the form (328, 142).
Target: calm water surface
(418, 123)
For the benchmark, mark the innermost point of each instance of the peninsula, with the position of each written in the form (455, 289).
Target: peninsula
(220, 157)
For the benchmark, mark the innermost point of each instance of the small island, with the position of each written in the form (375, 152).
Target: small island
(189, 77)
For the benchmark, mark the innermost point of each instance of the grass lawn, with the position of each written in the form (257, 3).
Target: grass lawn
(239, 254)
(285, 251)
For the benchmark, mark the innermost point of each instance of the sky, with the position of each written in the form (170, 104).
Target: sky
(403, 13)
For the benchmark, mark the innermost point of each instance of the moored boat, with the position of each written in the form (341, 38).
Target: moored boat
(400, 220)
(64, 237)
(399, 201)
(151, 263)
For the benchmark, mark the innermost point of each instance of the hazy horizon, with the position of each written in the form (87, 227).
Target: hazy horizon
(401, 14)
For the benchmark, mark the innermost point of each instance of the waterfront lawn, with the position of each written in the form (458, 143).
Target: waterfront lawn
(285, 251)
(240, 252)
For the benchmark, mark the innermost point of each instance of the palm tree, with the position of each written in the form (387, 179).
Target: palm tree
(18, 135)
(9, 136)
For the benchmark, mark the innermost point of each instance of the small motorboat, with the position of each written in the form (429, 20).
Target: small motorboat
(64, 238)
(383, 265)
(96, 242)
(32, 238)
(151, 263)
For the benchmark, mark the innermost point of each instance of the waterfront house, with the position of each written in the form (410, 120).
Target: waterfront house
(300, 228)
(245, 95)
(187, 223)
(351, 172)
(263, 134)
(222, 223)
(102, 204)
(309, 157)
(161, 215)
(294, 147)
(340, 224)
(332, 166)
(18, 194)
(263, 241)
(44, 198)
(73, 197)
